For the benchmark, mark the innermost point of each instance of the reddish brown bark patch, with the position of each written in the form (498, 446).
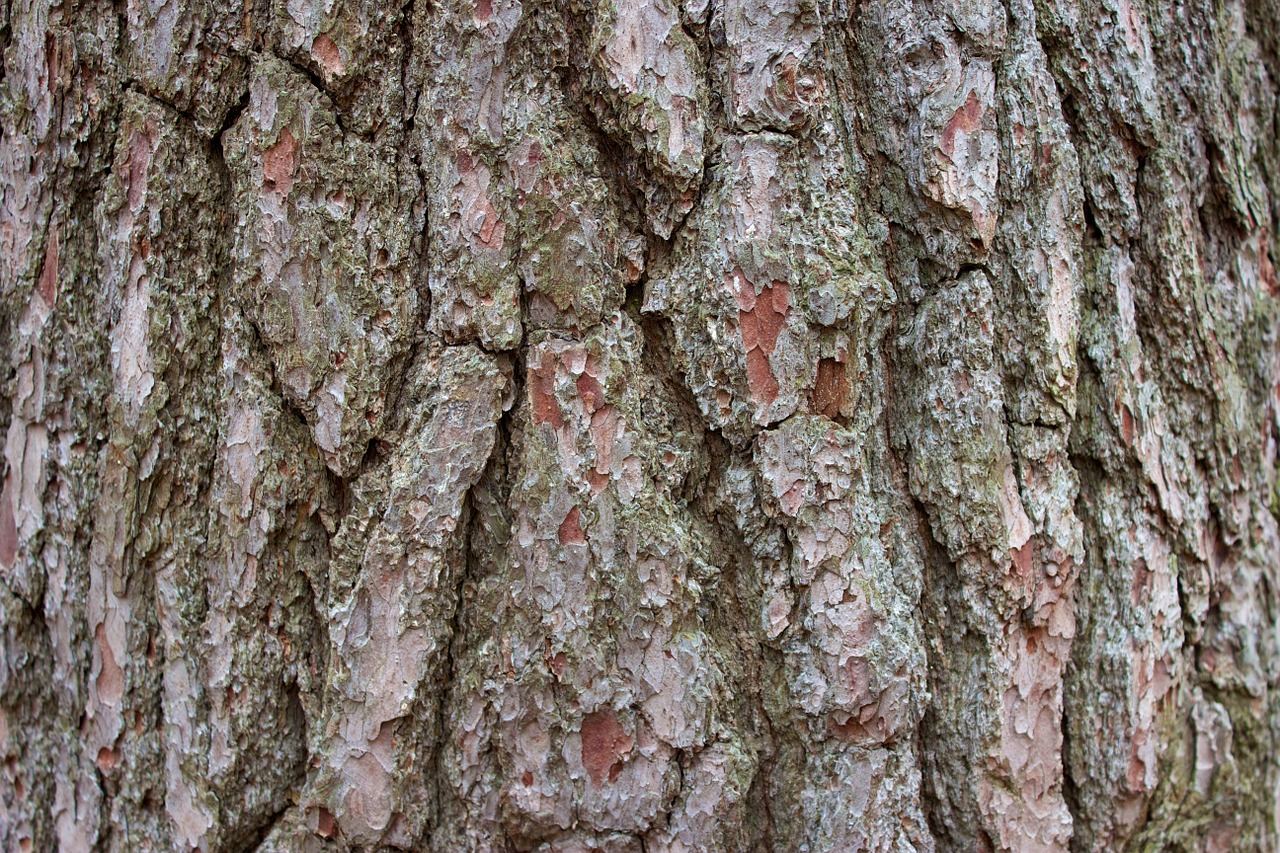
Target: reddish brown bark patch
(49, 272)
(542, 397)
(526, 158)
(850, 731)
(1126, 425)
(327, 824)
(571, 529)
(1266, 269)
(107, 759)
(590, 392)
(604, 744)
(760, 321)
(856, 730)
(52, 55)
(493, 229)
(763, 384)
(830, 388)
(324, 51)
(279, 162)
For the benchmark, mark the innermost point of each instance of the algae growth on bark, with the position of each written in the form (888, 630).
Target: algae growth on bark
(640, 425)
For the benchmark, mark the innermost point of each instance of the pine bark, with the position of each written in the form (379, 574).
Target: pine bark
(640, 425)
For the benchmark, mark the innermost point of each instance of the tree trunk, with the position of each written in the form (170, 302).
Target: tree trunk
(736, 425)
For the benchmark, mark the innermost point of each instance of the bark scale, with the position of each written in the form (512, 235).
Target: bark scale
(640, 425)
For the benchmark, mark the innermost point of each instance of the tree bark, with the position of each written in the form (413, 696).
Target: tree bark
(640, 426)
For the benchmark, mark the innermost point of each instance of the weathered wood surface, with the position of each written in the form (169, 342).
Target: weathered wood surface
(640, 426)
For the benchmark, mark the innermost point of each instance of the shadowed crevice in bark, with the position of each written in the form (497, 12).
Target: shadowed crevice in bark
(731, 605)
(483, 530)
(215, 141)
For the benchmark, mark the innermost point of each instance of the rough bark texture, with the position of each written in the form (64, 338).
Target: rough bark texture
(640, 425)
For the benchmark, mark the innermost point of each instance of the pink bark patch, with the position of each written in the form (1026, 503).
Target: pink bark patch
(8, 528)
(965, 120)
(1142, 582)
(484, 11)
(524, 161)
(110, 682)
(279, 162)
(858, 672)
(570, 531)
(324, 51)
(137, 162)
(604, 433)
(1024, 560)
(604, 745)
(1129, 18)
(793, 498)
(1031, 736)
(1154, 680)
(479, 216)
(1136, 773)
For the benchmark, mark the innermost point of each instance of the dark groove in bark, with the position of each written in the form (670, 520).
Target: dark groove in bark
(317, 83)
